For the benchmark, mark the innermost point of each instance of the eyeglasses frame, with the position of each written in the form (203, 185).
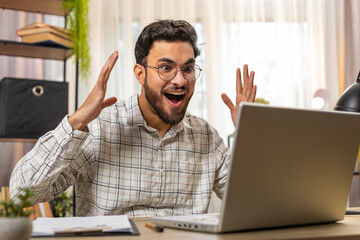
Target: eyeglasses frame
(177, 69)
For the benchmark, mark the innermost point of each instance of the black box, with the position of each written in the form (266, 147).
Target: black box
(29, 108)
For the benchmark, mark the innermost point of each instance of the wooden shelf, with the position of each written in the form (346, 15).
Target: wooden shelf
(53, 7)
(19, 49)
(2, 139)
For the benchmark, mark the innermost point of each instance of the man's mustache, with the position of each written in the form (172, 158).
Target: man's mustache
(175, 88)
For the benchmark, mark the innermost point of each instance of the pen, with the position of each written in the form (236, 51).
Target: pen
(78, 230)
(154, 226)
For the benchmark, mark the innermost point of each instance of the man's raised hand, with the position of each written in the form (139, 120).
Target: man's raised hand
(245, 92)
(96, 101)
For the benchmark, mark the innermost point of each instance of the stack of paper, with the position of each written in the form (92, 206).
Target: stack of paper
(68, 225)
(41, 33)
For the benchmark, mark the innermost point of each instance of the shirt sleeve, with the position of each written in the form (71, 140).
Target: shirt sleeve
(54, 164)
(222, 155)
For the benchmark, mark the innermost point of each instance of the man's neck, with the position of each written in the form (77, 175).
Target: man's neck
(151, 118)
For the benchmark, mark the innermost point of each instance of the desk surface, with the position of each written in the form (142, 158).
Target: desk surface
(347, 229)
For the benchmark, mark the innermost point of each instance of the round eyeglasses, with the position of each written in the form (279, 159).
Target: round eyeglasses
(168, 71)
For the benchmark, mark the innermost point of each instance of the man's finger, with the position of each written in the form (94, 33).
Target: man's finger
(101, 80)
(227, 101)
(108, 102)
(105, 72)
(253, 94)
(250, 85)
(111, 64)
(107, 64)
(246, 80)
(239, 88)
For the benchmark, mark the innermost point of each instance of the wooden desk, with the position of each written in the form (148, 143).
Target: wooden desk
(347, 229)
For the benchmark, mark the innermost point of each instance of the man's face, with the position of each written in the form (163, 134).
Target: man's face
(169, 99)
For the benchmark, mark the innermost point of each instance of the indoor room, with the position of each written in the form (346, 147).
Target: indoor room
(95, 112)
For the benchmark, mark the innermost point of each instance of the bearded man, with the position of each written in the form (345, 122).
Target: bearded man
(145, 156)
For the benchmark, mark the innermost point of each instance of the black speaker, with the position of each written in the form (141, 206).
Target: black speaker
(30, 108)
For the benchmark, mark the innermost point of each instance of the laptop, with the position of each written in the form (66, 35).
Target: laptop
(288, 167)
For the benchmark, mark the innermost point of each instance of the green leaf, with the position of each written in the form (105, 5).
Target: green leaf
(12, 209)
(78, 24)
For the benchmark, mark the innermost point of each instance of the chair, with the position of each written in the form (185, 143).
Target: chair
(43, 210)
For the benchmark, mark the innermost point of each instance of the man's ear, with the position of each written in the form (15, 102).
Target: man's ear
(139, 72)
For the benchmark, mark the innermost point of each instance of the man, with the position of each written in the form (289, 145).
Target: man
(144, 156)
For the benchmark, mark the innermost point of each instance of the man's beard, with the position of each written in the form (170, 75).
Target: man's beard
(156, 104)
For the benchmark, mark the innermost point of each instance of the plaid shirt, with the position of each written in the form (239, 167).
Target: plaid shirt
(124, 166)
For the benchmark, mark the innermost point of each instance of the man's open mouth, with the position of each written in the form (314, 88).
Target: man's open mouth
(174, 97)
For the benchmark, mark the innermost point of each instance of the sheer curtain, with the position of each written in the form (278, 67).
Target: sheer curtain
(348, 24)
(290, 44)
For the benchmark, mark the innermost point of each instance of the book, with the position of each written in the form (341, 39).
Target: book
(39, 27)
(47, 38)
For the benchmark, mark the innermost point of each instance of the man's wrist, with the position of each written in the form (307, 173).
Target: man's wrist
(76, 124)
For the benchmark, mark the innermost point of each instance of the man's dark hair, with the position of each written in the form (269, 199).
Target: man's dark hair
(168, 30)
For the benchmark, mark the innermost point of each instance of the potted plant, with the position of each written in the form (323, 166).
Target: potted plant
(62, 205)
(15, 223)
(261, 100)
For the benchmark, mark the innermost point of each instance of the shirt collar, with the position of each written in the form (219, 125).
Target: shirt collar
(134, 115)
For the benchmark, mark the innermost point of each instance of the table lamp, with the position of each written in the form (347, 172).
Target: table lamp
(350, 101)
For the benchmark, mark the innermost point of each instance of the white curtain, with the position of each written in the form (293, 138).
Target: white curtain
(290, 44)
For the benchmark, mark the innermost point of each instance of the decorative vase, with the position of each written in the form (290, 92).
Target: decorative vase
(17, 228)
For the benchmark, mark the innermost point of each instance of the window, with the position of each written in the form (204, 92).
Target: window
(277, 54)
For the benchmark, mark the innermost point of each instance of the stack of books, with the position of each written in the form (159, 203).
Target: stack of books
(44, 34)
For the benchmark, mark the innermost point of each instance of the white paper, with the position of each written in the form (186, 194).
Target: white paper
(48, 226)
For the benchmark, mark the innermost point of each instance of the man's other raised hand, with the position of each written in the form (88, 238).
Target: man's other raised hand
(245, 92)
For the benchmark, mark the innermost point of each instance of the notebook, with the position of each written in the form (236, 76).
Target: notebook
(288, 167)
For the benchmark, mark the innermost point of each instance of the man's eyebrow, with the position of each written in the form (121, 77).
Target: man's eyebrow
(165, 60)
(191, 60)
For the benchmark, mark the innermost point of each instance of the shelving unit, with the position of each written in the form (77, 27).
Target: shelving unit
(20, 49)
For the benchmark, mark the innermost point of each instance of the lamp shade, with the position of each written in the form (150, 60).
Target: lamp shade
(350, 99)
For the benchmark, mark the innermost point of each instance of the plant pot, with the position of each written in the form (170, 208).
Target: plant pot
(18, 228)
